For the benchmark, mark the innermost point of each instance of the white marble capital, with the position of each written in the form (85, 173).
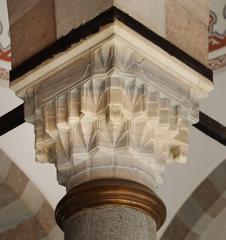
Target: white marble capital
(112, 106)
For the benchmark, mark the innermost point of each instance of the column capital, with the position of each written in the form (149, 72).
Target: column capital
(113, 106)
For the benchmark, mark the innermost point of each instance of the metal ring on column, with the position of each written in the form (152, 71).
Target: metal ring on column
(110, 192)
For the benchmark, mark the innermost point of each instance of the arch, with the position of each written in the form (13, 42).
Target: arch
(201, 209)
(24, 212)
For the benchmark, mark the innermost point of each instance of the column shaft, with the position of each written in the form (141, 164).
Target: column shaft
(110, 223)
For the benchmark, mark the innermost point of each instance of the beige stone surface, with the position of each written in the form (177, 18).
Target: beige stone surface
(27, 230)
(178, 228)
(18, 8)
(45, 217)
(151, 13)
(7, 195)
(185, 29)
(16, 180)
(206, 195)
(33, 31)
(24, 212)
(217, 207)
(71, 14)
(200, 8)
(184, 23)
(5, 166)
(55, 234)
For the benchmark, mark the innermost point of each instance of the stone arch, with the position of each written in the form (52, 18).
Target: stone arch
(24, 211)
(201, 209)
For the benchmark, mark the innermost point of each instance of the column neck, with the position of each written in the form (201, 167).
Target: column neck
(110, 192)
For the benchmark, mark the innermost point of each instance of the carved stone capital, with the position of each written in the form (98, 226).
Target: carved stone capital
(113, 106)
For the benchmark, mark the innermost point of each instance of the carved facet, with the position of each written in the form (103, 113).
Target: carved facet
(111, 114)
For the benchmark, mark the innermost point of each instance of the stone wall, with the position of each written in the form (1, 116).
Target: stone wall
(36, 24)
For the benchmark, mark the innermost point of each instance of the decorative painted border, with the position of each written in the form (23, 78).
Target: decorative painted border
(217, 36)
(217, 63)
(216, 39)
(5, 45)
(201, 209)
(4, 74)
(5, 48)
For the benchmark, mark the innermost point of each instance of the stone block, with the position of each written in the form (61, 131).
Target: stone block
(33, 31)
(18, 8)
(151, 13)
(206, 194)
(16, 180)
(200, 9)
(71, 14)
(185, 29)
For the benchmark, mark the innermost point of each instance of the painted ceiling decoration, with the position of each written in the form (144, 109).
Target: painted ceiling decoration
(24, 212)
(201, 209)
(5, 46)
(217, 34)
